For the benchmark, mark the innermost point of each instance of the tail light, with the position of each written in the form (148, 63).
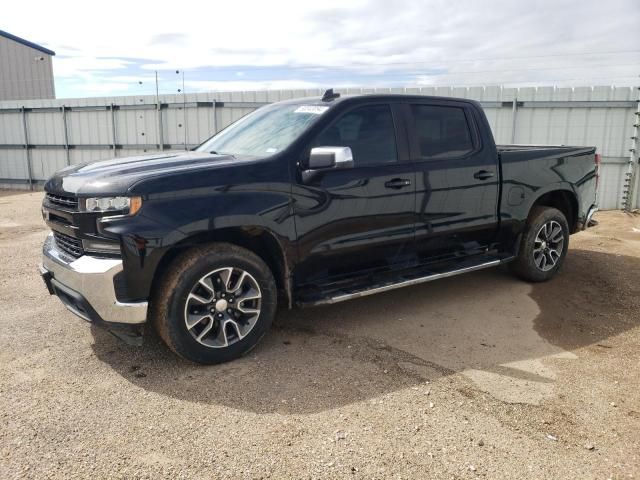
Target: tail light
(597, 169)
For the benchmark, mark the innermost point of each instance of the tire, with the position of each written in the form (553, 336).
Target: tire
(199, 284)
(541, 235)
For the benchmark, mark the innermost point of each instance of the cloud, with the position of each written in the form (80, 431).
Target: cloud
(363, 42)
(237, 85)
(100, 88)
(69, 66)
(169, 38)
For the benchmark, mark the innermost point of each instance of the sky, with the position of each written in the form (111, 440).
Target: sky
(115, 48)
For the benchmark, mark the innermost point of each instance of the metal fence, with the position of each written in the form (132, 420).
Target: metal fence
(38, 137)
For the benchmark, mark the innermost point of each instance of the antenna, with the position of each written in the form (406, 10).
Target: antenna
(329, 95)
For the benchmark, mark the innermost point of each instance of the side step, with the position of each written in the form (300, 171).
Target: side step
(343, 295)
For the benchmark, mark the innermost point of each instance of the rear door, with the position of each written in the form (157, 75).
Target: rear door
(457, 180)
(360, 218)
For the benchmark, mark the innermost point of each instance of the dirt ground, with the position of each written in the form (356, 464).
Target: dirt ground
(480, 375)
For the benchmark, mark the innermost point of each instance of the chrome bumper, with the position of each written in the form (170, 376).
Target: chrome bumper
(90, 278)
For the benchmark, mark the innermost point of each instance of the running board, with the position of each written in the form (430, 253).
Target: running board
(405, 283)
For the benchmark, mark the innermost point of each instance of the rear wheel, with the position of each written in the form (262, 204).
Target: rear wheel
(215, 303)
(543, 246)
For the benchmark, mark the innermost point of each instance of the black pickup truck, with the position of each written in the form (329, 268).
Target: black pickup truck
(305, 202)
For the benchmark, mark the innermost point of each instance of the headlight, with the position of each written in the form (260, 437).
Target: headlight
(128, 205)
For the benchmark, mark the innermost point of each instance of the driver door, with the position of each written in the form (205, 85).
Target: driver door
(353, 220)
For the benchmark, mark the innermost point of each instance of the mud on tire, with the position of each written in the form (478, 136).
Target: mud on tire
(214, 303)
(543, 246)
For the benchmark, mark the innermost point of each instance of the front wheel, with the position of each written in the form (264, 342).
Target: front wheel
(543, 246)
(215, 303)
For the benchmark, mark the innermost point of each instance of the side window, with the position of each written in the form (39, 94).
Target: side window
(368, 131)
(443, 132)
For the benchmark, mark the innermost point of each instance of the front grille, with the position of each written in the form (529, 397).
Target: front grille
(70, 203)
(72, 246)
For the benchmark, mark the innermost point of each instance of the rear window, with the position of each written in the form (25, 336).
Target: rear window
(443, 132)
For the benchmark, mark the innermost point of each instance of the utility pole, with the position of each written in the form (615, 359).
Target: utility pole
(184, 108)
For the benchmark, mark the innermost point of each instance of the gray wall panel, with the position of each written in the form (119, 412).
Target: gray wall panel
(11, 129)
(609, 127)
(25, 72)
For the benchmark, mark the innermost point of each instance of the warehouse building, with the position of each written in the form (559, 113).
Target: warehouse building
(26, 69)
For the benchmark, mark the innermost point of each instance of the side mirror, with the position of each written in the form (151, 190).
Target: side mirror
(326, 158)
(322, 158)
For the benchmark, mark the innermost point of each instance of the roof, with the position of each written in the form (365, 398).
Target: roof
(26, 43)
(382, 97)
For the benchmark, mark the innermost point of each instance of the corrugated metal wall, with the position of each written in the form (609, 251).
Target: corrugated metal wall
(24, 72)
(61, 132)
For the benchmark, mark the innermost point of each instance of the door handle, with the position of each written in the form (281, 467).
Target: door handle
(398, 183)
(483, 175)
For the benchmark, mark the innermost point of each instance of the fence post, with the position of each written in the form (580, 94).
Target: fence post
(113, 130)
(184, 116)
(215, 120)
(160, 135)
(26, 145)
(66, 134)
(514, 115)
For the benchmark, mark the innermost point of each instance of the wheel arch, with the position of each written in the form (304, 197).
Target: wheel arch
(256, 239)
(562, 199)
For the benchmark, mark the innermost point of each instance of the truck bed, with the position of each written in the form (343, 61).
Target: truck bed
(537, 148)
(547, 155)
(530, 170)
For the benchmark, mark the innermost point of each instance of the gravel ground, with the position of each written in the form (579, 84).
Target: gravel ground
(480, 375)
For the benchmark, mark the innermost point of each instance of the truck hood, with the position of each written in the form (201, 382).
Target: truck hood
(115, 177)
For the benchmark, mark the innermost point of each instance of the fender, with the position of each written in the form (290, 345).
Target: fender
(278, 252)
(555, 187)
(514, 217)
(166, 225)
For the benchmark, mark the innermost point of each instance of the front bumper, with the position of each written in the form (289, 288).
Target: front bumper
(85, 286)
(589, 221)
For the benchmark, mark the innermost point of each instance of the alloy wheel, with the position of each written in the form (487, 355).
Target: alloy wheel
(548, 245)
(223, 307)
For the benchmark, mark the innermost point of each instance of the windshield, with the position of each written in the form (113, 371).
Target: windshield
(264, 132)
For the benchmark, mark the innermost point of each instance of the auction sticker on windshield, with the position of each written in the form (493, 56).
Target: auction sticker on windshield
(315, 109)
